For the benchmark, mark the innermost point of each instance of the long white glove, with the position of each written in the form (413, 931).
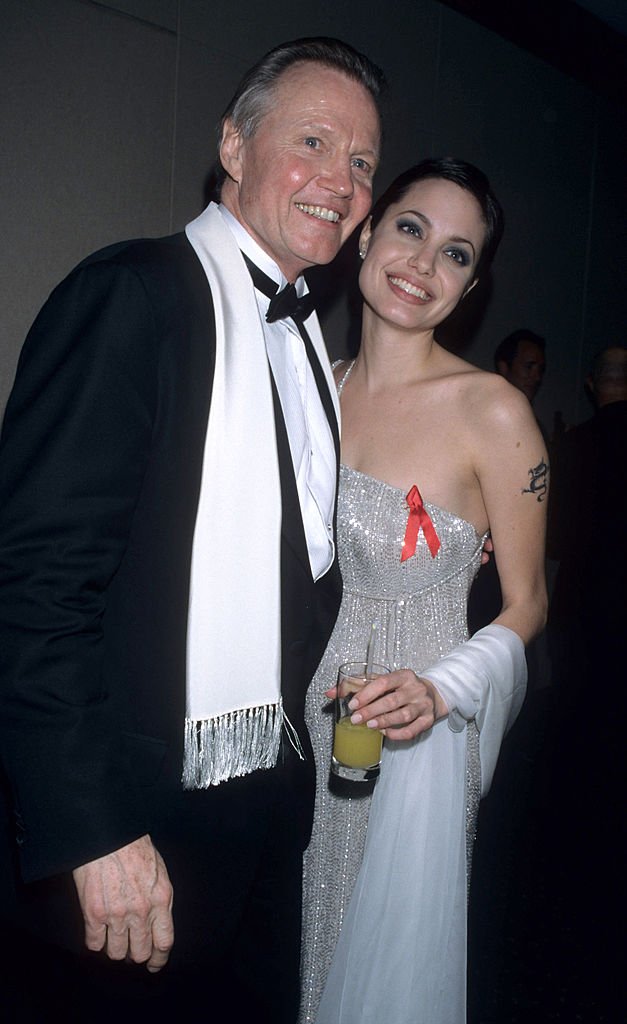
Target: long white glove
(484, 679)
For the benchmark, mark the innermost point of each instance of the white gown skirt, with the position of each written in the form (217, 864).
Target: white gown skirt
(401, 955)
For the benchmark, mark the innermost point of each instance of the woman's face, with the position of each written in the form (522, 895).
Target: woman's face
(421, 258)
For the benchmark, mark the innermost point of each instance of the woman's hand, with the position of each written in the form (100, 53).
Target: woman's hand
(401, 705)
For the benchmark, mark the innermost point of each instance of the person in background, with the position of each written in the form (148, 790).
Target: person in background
(587, 613)
(520, 358)
(583, 828)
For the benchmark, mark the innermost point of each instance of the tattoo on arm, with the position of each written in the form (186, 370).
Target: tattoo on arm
(538, 481)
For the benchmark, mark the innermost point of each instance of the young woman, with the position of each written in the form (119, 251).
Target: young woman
(435, 453)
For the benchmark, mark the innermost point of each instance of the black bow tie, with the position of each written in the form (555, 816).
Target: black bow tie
(284, 303)
(287, 303)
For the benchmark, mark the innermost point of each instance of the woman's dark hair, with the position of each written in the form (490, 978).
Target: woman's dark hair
(461, 173)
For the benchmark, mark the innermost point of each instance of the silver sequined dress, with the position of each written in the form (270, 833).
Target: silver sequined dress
(425, 802)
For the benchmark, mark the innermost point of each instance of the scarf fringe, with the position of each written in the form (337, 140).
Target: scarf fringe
(231, 745)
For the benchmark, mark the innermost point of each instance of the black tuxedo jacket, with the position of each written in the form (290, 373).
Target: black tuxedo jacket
(100, 466)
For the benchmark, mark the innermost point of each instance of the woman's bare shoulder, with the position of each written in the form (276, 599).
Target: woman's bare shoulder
(504, 418)
(450, 365)
(489, 406)
(491, 389)
(503, 400)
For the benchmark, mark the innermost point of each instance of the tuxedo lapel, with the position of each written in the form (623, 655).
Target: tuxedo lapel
(292, 528)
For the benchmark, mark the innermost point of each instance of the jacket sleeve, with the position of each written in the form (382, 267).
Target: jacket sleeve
(75, 444)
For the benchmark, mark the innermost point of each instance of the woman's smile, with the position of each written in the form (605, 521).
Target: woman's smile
(410, 289)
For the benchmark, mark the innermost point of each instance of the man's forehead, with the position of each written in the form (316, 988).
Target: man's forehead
(310, 85)
(529, 349)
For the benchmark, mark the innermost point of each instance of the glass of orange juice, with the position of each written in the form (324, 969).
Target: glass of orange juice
(356, 748)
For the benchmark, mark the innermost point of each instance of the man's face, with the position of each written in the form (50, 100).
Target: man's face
(527, 369)
(303, 182)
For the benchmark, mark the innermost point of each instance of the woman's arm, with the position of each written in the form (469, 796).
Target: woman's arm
(513, 473)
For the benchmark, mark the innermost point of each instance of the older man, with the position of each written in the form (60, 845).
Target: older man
(167, 485)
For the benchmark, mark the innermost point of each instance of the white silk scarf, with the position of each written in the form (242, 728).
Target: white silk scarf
(233, 709)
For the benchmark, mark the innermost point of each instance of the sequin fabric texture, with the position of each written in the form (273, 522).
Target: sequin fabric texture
(419, 609)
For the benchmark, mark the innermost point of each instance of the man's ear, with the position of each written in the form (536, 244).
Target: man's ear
(230, 150)
(364, 238)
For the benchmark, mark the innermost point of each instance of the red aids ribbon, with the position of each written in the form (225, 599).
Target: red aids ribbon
(418, 517)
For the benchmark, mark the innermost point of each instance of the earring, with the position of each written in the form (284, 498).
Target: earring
(362, 254)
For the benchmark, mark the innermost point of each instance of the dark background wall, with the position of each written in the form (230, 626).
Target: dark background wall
(108, 114)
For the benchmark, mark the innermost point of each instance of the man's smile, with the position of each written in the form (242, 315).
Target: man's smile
(320, 212)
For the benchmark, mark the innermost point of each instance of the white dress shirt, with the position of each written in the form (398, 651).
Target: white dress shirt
(308, 429)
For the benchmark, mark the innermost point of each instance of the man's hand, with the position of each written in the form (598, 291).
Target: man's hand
(488, 549)
(126, 899)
